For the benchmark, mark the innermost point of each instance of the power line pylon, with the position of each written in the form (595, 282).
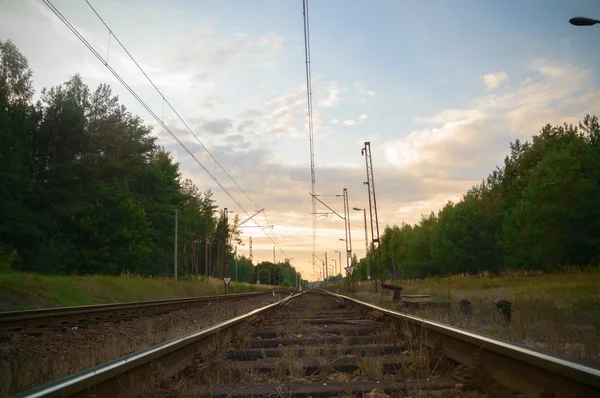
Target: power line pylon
(366, 152)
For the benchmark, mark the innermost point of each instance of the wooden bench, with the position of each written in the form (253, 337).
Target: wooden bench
(396, 289)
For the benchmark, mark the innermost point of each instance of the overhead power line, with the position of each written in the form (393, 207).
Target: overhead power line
(56, 12)
(165, 100)
(310, 121)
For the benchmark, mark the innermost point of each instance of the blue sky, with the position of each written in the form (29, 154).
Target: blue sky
(439, 87)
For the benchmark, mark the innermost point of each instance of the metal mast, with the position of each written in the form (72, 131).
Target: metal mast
(250, 245)
(366, 152)
(226, 249)
(347, 228)
(310, 121)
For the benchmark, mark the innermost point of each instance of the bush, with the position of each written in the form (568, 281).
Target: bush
(6, 260)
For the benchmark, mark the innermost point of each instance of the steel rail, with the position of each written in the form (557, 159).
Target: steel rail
(9, 319)
(112, 378)
(535, 373)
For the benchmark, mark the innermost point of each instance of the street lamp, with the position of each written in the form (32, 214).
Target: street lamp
(366, 242)
(340, 262)
(583, 21)
(334, 267)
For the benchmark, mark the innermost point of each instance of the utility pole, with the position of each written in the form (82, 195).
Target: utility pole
(334, 268)
(236, 267)
(326, 271)
(175, 248)
(339, 261)
(367, 248)
(366, 152)
(273, 255)
(226, 248)
(347, 227)
(250, 249)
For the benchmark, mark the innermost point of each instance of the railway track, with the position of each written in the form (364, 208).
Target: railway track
(322, 344)
(35, 321)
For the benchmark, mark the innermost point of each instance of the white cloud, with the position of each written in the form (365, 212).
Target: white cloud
(333, 96)
(492, 80)
(468, 143)
(434, 163)
(362, 93)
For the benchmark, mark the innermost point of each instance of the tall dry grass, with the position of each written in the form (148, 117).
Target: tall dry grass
(558, 312)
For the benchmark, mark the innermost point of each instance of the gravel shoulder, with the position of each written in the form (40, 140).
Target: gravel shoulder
(28, 361)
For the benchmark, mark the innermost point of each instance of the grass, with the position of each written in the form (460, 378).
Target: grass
(558, 312)
(22, 290)
(39, 360)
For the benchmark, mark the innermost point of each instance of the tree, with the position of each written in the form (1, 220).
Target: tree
(539, 210)
(85, 188)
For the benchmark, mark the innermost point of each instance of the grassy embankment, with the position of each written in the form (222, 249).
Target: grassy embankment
(20, 290)
(558, 312)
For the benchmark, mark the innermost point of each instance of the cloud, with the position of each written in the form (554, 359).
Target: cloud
(351, 122)
(362, 93)
(469, 143)
(204, 50)
(333, 96)
(246, 126)
(251, 113)
(492, 80)
(218, 127)
(454, 149)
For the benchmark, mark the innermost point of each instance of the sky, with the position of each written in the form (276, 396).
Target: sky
(439, 88)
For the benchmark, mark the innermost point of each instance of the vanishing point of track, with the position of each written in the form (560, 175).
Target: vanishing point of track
(323, 344)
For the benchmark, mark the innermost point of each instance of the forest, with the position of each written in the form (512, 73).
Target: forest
(86, 189)
(539, 211)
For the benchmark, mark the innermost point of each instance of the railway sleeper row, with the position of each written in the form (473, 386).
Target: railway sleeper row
(289, 354)
(321, 345)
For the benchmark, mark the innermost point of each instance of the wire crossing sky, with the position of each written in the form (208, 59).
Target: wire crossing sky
(439, 91)
(160, 120)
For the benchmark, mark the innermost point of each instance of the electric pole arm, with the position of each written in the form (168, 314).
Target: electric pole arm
(335, 212)
(249, 218)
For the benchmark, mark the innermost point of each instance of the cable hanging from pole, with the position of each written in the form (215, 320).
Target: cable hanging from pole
(310, 120)
(216, 162)
(141, 101)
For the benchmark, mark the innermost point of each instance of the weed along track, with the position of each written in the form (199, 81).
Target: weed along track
(321, 344)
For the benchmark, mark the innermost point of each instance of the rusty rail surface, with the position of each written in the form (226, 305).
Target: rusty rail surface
(38, 318)
(535, 373)
(171, 357)
(481, 359)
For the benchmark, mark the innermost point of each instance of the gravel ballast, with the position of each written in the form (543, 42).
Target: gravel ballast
(28, 361)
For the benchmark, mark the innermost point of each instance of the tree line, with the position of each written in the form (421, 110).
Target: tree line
(85, 189)
(540, 210)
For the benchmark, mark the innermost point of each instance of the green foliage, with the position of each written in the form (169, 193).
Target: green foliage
(86, 190)
(6, 260)
(540, 211)
(282, 274)
(24, 290)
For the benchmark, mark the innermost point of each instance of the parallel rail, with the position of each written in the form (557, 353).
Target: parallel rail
(11, 320)
(532, 372)
(173, 356)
